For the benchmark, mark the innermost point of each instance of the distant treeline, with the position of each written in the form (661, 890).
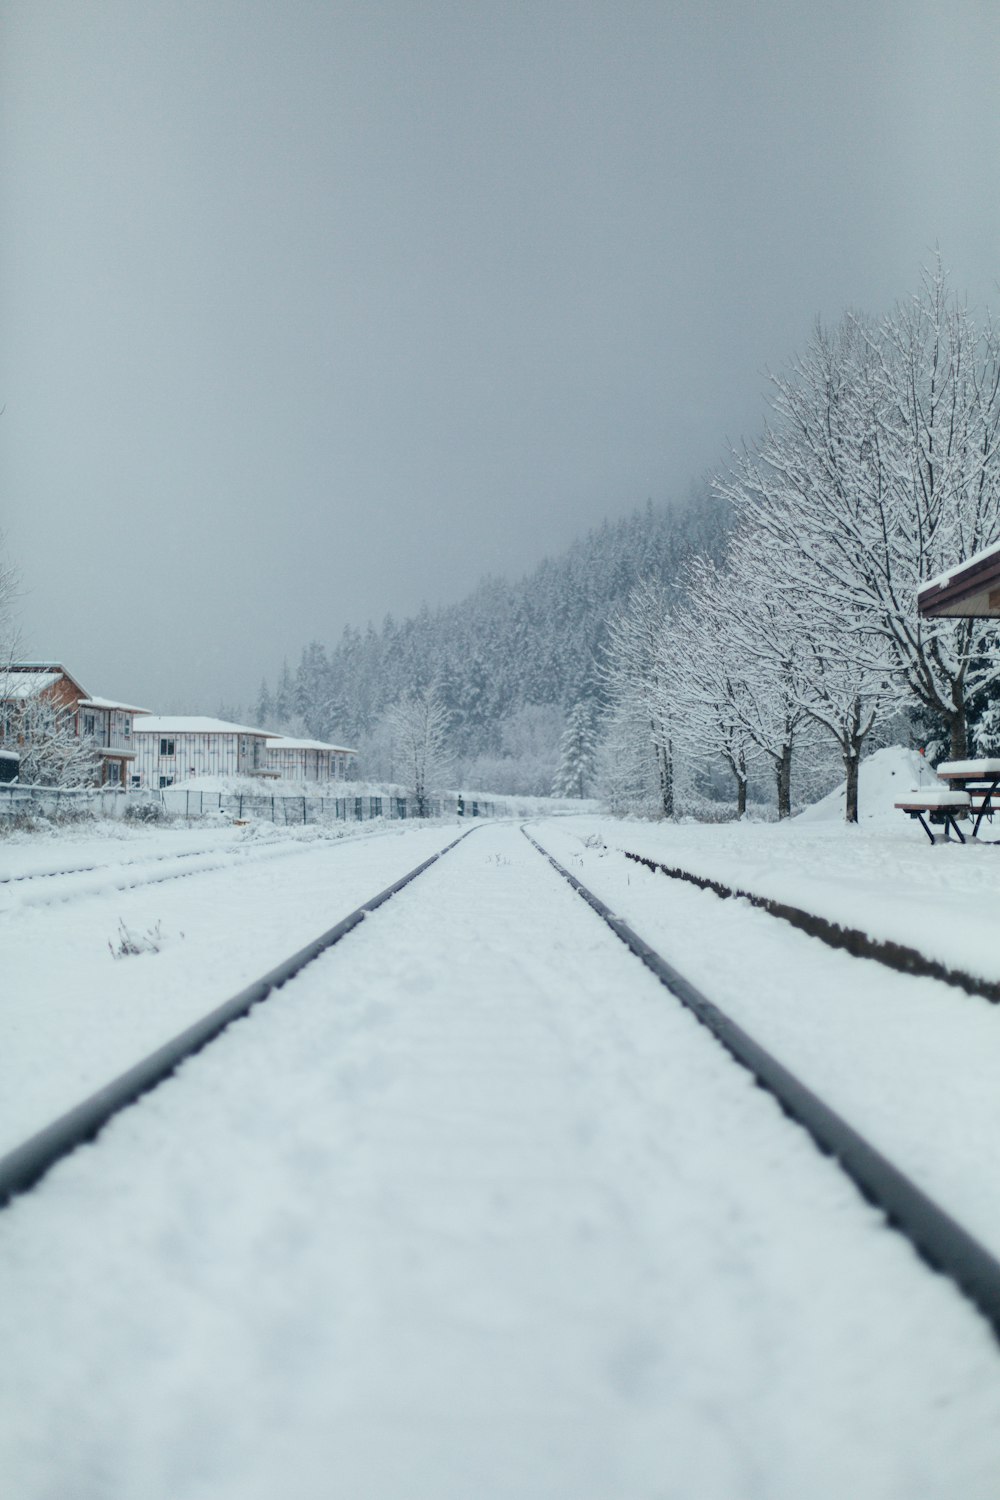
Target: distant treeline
(506, 648)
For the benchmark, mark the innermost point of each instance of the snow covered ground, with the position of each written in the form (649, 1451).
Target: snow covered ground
(472, 1207)
(224, 906)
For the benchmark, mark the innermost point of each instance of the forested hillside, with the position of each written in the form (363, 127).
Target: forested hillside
(508, 661)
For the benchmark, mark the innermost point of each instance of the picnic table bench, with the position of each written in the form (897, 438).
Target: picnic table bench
(980, 780)
(966, 788)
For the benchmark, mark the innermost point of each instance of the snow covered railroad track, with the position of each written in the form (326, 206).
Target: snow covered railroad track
(23, 1167)
(473, 1209)
(900, 957)
(938, 1238)
(91, 868)
(57, 887)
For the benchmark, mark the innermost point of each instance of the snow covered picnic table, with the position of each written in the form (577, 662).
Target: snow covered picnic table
(965, 787)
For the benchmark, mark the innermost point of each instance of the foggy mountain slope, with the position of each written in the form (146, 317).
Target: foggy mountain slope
(505, 646)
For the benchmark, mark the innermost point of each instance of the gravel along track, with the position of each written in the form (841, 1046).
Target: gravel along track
(472, 1208)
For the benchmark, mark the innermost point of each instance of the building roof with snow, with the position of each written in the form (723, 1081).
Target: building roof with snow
(125, 708)
(26, 679)
(971, 589)
(21, 685)
(285, 742)
(177, 724)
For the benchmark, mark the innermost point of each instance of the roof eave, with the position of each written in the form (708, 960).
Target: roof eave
(971, 592)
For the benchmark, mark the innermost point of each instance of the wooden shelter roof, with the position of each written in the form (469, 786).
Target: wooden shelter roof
(970, 589)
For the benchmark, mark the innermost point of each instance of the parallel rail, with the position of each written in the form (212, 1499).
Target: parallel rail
(178, 867)
(28, 1163)
(938, 1238)
(895, 956)
(30, 876)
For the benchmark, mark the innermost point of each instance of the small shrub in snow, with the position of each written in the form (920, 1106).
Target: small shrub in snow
(131, 943)
(145, 812)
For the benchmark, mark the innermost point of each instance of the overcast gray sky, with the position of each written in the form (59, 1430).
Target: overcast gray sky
(314, 311)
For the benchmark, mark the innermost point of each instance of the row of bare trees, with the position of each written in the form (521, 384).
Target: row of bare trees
(878, 470)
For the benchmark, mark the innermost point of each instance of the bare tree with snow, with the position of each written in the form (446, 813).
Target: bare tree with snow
(753, 625)
(418, 725)
(703, 687)
(52, 752)
(635, 675)
(880, 469)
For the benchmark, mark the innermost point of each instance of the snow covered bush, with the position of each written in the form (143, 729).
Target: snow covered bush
(145, 812)
(131, 943)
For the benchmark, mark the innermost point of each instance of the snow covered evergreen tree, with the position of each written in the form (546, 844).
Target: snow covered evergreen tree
(577, 755)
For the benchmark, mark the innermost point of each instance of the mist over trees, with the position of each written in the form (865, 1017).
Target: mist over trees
(508, 664)
(753, 641)
(878, 470)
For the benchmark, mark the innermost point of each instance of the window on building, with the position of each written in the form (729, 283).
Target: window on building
(166, 781)
(127, 725)
(166, 748)
(90, 724)
(114, 773)
(137, 781)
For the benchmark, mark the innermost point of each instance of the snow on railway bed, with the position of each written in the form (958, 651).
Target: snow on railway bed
(911, 1063)
(885, 880)
(474, 1208)
(72, 1016)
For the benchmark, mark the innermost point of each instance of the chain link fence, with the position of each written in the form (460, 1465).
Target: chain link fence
(52, 802)
(289, 810)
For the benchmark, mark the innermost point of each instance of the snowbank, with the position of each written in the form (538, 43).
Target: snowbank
(883, 778)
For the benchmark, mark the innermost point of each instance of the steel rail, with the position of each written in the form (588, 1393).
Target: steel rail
(39, 895)
(23, 1167)
(938, 1238)
(178, 867)
(124, 864)
(895, 956)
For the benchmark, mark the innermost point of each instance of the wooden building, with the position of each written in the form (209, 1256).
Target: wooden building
(106, 724)
(176, 747)
(969, 590)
